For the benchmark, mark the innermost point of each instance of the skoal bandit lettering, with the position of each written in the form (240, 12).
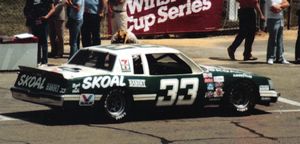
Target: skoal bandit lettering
(31, 81)
(164, 13)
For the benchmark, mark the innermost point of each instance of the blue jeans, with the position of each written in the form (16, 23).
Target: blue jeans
(275, 43)
(74, 29)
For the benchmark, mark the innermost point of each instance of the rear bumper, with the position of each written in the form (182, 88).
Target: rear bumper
(45, 98)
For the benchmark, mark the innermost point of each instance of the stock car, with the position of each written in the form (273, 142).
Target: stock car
(116, 77)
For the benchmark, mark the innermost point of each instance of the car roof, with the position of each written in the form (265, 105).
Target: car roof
(132, 49)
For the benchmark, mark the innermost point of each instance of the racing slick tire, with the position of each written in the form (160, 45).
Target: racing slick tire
(241, 97)
(117, 105)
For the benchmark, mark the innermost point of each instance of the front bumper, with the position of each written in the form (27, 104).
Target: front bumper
(46, 98)
(270, 96)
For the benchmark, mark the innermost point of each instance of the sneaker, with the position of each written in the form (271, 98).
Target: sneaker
(284, 61)
(230, 54)
(250, 58)
(270, 61)
(42, 65)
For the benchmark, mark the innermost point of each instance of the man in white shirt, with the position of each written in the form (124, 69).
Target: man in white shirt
(275, 23)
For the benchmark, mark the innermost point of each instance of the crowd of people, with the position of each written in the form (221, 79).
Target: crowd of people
(275, 24)
(83, 19)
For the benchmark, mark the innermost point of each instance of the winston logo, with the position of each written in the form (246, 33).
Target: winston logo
(165, 10)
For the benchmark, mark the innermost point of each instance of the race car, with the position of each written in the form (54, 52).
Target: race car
(117, 77)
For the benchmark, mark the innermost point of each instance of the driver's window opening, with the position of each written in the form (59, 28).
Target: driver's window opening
(160, 64)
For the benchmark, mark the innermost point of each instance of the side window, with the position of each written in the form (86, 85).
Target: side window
(160, 64)
(137, 64)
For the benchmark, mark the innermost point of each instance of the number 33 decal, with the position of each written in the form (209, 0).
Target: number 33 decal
(171, 96)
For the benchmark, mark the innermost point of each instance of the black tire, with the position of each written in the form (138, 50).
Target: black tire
(242, 96)
(117, 105)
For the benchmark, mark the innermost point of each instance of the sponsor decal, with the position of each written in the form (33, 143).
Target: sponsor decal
(86, 99)
(220, 69)
(243, 75)
(103, 82)
(210, 86)
(219, 84)
(31, 81)
(219, 79)
(208, 80)
(264, 88)
(52, 87)
(209, 94)
(208, 77)
(137, 83)
(125, 65)
(75, 88)
(218, 92)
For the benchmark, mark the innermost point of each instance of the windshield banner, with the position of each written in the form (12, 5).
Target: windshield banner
(173, 16)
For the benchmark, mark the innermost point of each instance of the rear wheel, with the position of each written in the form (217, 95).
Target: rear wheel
(117, 105)
(242, 97)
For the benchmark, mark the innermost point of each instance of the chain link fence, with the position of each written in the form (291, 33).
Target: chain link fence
(13, 22)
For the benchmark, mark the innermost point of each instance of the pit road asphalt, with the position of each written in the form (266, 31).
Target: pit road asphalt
(25, 123)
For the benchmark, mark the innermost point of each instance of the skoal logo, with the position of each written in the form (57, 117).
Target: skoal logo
(31, 81)
(103, 82)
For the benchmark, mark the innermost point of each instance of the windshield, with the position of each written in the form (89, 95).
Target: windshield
(94, 59)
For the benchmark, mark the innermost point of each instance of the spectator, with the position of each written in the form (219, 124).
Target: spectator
(75, 20)
(56, 29)
(247, 28)
(90, 31)
(297, 56)
(37, 13)
(275, 23)
(119, 14)
(124, 37)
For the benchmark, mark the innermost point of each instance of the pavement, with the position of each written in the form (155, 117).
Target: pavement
(22, 122)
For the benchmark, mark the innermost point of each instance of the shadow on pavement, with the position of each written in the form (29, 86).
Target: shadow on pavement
(80, 117)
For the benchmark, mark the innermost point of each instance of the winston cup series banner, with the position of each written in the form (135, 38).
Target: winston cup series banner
(173, 16)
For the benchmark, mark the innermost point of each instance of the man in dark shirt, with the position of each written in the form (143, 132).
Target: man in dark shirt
(247, 28)
(37, 13)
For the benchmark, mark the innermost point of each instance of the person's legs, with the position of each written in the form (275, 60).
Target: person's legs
(280, 48)
(44, 42)
(59, 28)
(240, 36)
(52, 36)
(251, 26)
(75, 26)
(95, 30)
(85, 30)
(273, 27)
(297, 51)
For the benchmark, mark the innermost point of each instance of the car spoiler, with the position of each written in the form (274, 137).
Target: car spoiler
(33, 70)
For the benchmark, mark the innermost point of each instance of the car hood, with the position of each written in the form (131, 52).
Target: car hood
(70, 71)
(224, 70)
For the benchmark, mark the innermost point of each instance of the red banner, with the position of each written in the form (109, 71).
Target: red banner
(173, 16)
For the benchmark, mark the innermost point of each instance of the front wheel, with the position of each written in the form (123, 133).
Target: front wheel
(117, 105)
(242, 97)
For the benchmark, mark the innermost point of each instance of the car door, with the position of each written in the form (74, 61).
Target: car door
(172, 80)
